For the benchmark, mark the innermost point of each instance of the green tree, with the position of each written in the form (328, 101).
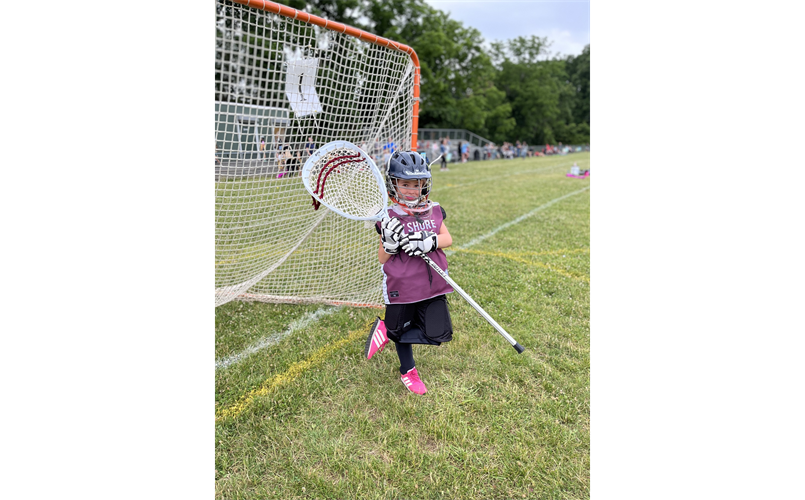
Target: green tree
(578, 68)
(539, 90)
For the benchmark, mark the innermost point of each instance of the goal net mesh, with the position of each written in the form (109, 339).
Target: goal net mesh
(284, 88)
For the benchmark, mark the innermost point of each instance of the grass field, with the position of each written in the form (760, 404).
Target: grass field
(301, 414)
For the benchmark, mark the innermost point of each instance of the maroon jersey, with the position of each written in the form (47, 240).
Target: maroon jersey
(409, 279)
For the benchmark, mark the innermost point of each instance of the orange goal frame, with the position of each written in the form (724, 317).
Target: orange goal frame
(290, 12)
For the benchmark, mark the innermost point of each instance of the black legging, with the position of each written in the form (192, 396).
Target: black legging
(406, 354)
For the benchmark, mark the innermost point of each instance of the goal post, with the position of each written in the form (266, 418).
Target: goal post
(286, 83)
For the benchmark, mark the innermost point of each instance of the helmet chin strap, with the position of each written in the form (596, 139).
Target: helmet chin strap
(412, 211)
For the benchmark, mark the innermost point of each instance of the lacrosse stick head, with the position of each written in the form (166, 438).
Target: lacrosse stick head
(342, 177)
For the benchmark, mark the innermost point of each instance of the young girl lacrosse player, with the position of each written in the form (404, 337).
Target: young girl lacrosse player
(416, 304)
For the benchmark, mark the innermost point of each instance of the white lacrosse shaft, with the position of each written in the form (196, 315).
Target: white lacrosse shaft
(475, 306)
(343, 178)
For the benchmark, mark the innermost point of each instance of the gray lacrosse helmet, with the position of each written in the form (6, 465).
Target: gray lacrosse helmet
(408, 165)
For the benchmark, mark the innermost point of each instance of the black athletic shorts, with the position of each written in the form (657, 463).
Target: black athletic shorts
(426, 322)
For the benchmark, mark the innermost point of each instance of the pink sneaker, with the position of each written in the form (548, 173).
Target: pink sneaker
(377, 339)
(412, 382)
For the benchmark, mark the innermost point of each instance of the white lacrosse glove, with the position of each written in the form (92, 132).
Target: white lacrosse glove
(419, 242)
(391, 232)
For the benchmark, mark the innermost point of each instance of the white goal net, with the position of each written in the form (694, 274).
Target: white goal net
(283, 88)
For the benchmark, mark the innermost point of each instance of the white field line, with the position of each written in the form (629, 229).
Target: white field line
(523, 217)
(273, 339)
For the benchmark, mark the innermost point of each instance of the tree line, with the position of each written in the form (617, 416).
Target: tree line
(504, 91)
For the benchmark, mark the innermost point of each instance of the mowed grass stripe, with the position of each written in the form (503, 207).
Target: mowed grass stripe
(517, 257)
(497, 177)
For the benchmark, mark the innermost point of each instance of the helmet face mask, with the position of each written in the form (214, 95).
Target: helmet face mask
(408, 166)
(409, 192)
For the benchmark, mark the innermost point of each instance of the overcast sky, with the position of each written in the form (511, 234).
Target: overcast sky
(565, 23)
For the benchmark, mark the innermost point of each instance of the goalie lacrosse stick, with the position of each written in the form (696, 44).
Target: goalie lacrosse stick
(342, 177)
